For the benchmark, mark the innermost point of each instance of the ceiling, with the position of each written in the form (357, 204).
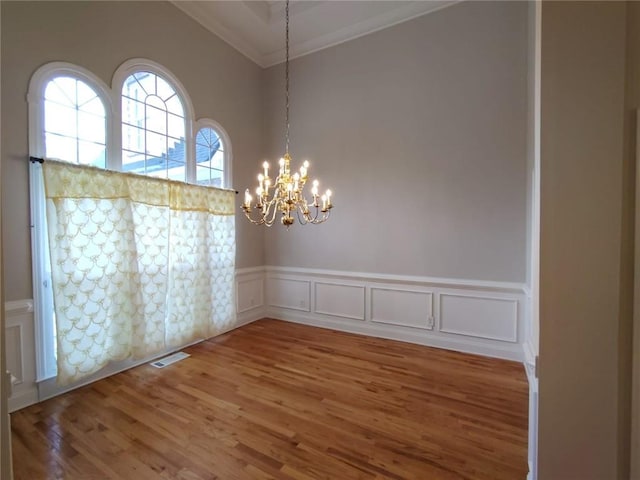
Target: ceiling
(256, 27)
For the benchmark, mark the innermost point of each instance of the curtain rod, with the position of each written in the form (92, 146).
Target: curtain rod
(33, 159)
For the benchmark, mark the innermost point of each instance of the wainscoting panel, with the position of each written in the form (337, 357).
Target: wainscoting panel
(468, 316)
(289, 293)
(250, 295)
(492, 318)
(340, 300)
(20, 353)
(404, 308)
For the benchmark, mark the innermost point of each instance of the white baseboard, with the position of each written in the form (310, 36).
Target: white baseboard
(23, 399)
(420, 338)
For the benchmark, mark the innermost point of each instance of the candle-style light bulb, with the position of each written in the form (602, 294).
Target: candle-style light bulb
(265, 165)
(324, 202)
(329, 193)
(247, 198)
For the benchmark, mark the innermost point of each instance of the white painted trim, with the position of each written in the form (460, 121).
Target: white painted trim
(18, 307)
(250, 270)
(307, 306)
(351, 32)
(513, 338)
(336, 314)
(272, 15)
(23, 400)
(483, 285)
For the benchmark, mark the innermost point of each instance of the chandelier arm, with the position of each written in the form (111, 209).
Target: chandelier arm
(306, 220)
(273, 204)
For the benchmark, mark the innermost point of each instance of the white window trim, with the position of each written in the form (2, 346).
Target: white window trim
(136, 65)
(207, 122)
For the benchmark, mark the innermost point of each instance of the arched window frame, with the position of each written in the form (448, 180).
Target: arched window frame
(136, 65)
(36, 95)
(209, 123)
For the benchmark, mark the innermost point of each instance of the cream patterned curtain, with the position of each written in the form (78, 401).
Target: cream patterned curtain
(139, 264)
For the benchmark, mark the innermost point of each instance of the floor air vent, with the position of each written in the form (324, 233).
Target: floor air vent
(173, 358)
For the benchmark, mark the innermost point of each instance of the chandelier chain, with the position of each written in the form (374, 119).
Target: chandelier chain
(286, 75)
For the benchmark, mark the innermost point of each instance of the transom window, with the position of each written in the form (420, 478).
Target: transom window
(74, 122)
(153, 128)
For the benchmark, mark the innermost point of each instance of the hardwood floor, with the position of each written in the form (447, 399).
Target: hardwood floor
(276, 400)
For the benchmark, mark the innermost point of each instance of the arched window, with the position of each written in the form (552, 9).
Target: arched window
(156, 121)
(70, 112)
(212, 155)
(75, 126)
(153, 127)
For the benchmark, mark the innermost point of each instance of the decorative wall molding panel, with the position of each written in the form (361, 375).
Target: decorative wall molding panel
(493, 318)
(250, 294)
(485, 318)
(20, 353)
(339, 300)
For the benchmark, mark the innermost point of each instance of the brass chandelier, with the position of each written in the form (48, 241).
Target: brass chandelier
(286, 193)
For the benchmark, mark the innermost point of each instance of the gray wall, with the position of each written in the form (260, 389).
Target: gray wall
(584, 261)
(421, 132)
(223, 85)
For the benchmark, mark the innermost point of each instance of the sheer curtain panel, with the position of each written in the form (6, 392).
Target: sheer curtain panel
(139, 265)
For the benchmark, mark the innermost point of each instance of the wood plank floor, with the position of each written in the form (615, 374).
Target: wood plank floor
(276, 400)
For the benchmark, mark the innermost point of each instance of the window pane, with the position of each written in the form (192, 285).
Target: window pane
(156, 145)
(178, 173)
(203, 175)
(92, 154)
(164, 90)
(147, 82)
(133, 112)
(176, 126)
(132, 138)
(133, 162)
(177, 150)
(203, 156)
(216, 178)
(55, 93)
(156, 120)
(62, 148)
(156, 166)
(94, 106)
(85, 93)
(174, 105)
(217, 161)
(74, 122)
(91, 127)
(59, 119)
